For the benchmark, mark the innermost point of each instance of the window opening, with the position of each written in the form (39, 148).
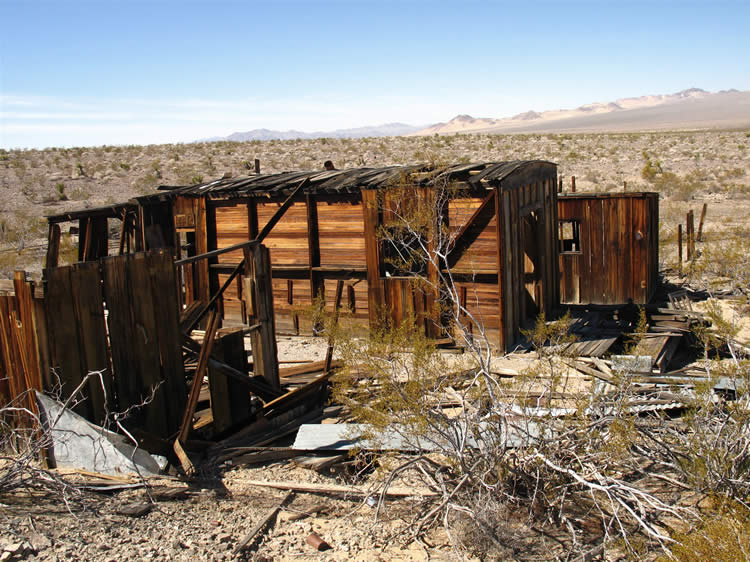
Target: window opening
(570, 236)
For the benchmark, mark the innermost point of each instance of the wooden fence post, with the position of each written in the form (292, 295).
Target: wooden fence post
(679, 247)
(700, 224)
(690, 236)
(560, 186)
(257, 166)
(573, 184)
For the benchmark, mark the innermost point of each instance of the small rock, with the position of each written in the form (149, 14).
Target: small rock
(39, 541)
(223, 538)
(138, 509)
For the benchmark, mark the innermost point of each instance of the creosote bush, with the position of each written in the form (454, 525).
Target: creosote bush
(541, 450)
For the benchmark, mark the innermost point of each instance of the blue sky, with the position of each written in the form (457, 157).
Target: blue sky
(114, 72)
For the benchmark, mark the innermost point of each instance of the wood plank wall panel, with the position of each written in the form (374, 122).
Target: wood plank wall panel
(231, 228)
(167, 312)
(65, 356)
(481, 257)
(615, 264)
(92, 336)
(341, 231)
(483, 302)
(141, 295)
(288, 239)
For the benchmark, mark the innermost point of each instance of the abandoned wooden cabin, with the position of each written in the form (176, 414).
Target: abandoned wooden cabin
(609, 247)
(502, 215)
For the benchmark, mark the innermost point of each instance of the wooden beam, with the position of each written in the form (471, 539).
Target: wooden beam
(258, 296)
(331, 335)
(470, 231)
(700, 224)
(208, 342)
(317, 286)
(213, 253)
(267, 520)
(53, 245)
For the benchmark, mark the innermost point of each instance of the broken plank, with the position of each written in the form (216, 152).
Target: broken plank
(392, 491)
(316, 366)
(265, 454)
(266, 521)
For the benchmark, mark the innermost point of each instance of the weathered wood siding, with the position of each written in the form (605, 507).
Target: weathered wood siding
(305, 261)
(528, 245)
(618, 256)
(481, 257)
(508, 271)
(341, 231)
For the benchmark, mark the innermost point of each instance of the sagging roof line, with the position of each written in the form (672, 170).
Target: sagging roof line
(351, 180)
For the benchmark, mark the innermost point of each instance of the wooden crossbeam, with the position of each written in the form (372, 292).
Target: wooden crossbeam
(470, 231)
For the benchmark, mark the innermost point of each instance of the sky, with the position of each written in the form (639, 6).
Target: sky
(89, 73)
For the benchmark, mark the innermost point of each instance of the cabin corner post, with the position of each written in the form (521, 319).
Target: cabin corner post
(317, 282)
(375, 290)
(499, 233)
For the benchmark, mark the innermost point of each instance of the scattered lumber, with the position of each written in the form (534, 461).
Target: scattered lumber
(332, 489)
(258, 455)
(263, 524)
(312, 367)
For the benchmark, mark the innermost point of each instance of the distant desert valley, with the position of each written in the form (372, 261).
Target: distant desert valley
(689, 146)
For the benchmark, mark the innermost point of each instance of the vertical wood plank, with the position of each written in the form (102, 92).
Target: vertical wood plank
(230, 399)
(146, 346)
(375, 292)
(169, 339)
(265, 354)
(92, 335)
(53, 246)
(25, 300)
(317, 289)
(62, 323)
(501, 249)
(122, 335)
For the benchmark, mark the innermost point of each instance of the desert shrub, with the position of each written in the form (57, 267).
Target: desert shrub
(79, 194)
(60, 187)
(722, 535)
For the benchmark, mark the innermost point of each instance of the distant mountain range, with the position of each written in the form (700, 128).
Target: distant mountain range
(387, 130)
(689, 109)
